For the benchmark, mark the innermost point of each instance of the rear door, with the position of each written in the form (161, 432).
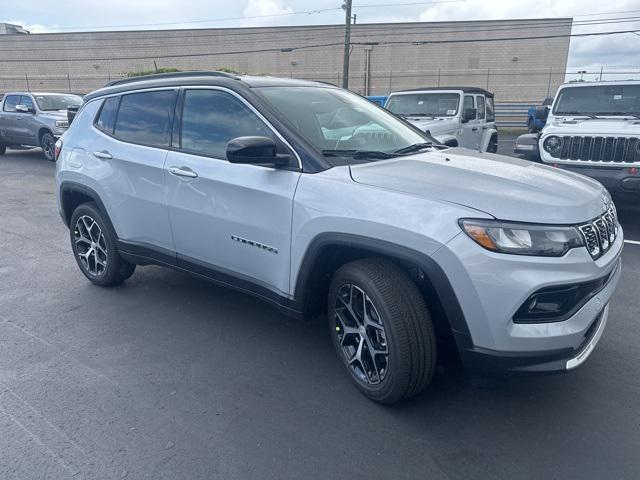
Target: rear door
(128, 155)
(230, 219)
(10, 120)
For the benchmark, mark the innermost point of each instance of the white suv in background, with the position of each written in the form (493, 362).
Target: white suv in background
(455, 116)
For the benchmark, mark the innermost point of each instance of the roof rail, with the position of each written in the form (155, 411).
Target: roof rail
(160, 76)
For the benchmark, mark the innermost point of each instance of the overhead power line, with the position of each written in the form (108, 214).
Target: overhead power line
(304, 47)
(363, 33)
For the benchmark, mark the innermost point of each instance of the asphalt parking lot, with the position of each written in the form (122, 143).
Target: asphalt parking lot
(171, 377)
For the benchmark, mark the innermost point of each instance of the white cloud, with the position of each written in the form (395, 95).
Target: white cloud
(265, 9)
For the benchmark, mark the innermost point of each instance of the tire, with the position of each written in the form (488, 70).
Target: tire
(94, 247)
(398, 320)
(3, 149)
(493, 145)
(47, 143)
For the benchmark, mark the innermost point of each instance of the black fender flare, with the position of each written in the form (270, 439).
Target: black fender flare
(69, 186)
(434, 273)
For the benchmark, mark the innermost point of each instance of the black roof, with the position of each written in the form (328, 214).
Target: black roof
(487, 93)
(174, 79)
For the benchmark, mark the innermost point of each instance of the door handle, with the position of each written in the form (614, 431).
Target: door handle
(474, 129)
(103, 155)
(183, 172)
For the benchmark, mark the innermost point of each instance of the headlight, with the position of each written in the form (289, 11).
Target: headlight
(522, 239)
(552, 144)
(62, 124)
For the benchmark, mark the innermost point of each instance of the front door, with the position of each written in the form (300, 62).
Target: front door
(10, 120)
(470, 129)
(231, 219)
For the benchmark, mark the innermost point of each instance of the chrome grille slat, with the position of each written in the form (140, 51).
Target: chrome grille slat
(600, 234)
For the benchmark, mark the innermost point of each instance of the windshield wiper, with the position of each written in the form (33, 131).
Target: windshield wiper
(357, 154)
(579, 114)
(625, 114)
(414, 148)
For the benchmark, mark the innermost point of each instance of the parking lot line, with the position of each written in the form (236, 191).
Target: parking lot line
(633, 242)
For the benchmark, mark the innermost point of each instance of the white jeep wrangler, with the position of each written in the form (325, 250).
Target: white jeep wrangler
(592, 128)
(455, 116)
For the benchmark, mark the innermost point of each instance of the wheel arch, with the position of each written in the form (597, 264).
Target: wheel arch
(73, 194)
(328, 251)
(41, 133)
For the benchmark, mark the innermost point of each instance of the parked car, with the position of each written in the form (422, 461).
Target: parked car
(312, 198)
(455, 116)
(535, 124)
(34, 119)
(593, 128)
(379, 99)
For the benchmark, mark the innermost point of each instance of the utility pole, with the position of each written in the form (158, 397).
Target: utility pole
(346, 6)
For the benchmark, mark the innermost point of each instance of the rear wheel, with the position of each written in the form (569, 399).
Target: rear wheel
(48, 143)
(94, 247)
(381, 330)
(3, 149)
(493, 144)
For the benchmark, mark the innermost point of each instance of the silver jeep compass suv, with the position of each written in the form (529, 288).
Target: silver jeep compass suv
(318, 201)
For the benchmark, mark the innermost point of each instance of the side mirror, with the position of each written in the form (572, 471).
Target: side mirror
(469, 114)
(23, 109)
(256, 151)
(542, 112)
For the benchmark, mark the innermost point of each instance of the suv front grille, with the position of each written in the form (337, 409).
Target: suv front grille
(600, 234)
(600, 149)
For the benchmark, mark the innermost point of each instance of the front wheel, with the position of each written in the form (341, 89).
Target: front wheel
(94, 248)
(381, 330)
(48, 144)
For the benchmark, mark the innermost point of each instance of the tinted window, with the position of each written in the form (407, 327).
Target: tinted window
(107, 116)
(491, 111)
(11, 102)
(57, 101)
(480, 107)
(146, 118)
(468, 102)
(211, 118)
(27, 102)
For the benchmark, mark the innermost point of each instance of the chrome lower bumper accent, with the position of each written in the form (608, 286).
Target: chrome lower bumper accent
(586, 351)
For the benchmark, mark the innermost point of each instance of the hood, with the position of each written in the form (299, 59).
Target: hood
(436, 126)
(594, 126)
(504, 187)
(55, 114)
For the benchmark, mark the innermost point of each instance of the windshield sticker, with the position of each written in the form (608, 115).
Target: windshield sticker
(451, 112)
(617, 97)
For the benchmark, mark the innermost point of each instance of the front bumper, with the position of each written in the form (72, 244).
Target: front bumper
(491, 287)
(619, 181)
(491, 362)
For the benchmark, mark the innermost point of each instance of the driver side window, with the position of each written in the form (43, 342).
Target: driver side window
(27, 102)
(10, 103)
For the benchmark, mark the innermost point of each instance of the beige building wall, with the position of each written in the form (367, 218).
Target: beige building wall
(516, 71)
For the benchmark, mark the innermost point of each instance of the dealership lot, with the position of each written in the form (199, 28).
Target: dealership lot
(168, 376)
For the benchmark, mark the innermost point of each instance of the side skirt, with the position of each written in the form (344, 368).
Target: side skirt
(143, 254)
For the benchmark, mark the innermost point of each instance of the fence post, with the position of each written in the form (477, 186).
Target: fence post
(390, 78)
(549, 82)
(487, 79)
(438, 77)
(69, 82)
(26, 77)
(601, 69)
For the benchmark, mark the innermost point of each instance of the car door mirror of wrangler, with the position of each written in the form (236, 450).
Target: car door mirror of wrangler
(256, 151)
(469, 114)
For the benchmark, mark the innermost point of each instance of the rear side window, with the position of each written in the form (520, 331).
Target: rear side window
(480, 107)
(106, 120)
(10, 103)
(491, 111)
(146, 118)
(211, 118)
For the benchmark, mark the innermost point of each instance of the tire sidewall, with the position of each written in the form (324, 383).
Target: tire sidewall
(51, 158)
(113, 263)
(397, 362)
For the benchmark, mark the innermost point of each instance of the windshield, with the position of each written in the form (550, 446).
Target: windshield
(57, 102)
(342, 124)
(424, 104)
(598, 100)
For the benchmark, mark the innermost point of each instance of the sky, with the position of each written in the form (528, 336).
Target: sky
(617, 53)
